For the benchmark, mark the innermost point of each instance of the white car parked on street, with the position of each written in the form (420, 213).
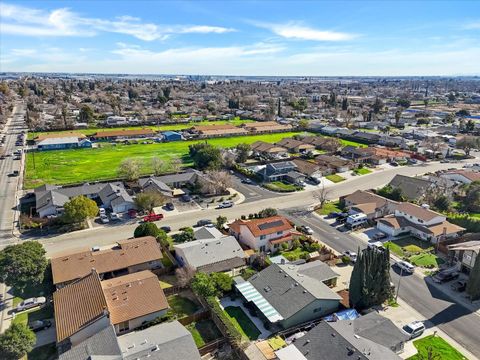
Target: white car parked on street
(30, 303)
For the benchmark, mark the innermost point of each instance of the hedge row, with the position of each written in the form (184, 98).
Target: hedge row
(231, 329)
(471, 224)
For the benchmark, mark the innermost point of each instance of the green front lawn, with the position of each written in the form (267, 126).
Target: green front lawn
(335, 178)
(352, 143)
(81, 165)
(329, 207)
(203, 332)
(242, 322)
(362, 171)
(394, 248)
(438, 347)
(182, 306)
(282, 187)
(28, 316)
(426, 260)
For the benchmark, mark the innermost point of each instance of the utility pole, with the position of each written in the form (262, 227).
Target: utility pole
(399, 282)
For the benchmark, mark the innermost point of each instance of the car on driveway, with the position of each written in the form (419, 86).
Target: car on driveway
(30, 303)
(351, 255)
(204, 222)
(169, 206)
(405, 266)
(459, 286)
(247, 181)
(379, 236)
(306, 230)
(186, 198)
(104, 219)
(38, 325)
(376, 245)
(445, 276)
(114, 217)
(414, 329)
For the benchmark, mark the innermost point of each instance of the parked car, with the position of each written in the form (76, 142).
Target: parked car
(186, 198)
(132, 213)
(15, 173)
(102, 211)
(445, 276)
(414, 329)
(225, 204)
(405, 266)
(204, 222)
(114, 217)
(351, 255)
(30, 303)
(379, 236)
(247, 181)
(306, 229)
(459, 286)
(169, 206)
(376, 245)
(104, 219)
(152, 217)
(167, 229)
(393, 163)
(334, 214)
(38, 325)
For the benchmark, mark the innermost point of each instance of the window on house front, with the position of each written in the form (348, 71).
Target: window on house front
(279, 232)
(262, 237)
(123, 326)
(275, 246)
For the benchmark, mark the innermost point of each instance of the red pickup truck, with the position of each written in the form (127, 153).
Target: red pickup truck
(153, 217)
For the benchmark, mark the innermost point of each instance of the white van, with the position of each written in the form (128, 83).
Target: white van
(356, 220)
(414, 329)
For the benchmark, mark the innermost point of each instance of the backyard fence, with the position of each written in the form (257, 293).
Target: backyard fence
(205, 314)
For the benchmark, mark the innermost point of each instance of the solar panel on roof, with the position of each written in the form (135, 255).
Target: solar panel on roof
(270, 225)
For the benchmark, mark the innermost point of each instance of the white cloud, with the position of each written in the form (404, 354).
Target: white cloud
(19, 20)
(297, 31)
(475, 25)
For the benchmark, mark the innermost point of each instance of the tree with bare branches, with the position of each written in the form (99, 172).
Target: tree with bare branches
(321, 195)
(184, 275)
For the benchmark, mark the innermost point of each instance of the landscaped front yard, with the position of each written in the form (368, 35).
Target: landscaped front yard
(415, 251)
(329, 207)
(438, 348)
(335, 178)
(362, 171)
(242, 322)
(282, 187)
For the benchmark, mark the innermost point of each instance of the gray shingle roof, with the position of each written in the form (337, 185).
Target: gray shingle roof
(167, 341)
(103, 343)
(412, 187)
(289, 288)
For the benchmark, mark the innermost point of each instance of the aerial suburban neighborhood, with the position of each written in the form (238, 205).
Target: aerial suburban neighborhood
(296, 215)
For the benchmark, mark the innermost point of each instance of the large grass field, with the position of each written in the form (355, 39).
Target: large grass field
(181, 126)
(82, 165)
(438, 349)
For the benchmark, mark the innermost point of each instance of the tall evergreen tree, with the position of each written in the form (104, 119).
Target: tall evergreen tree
(370, 279)
(473, 284)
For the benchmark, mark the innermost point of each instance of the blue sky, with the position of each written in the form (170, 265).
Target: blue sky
(242, 37)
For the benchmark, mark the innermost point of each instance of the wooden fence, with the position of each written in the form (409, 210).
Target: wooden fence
(194, 317)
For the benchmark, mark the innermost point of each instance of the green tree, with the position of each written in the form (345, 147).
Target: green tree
(472, 197)
(223, 282)
(79, 209)
(303, 124)
(370, 279)
(404, 103)
(243, 150)
(149, 200)
(146, 229)
(129, 169)
(467, 143)
(205, 156)
(185, 235)
(204, 285)
(17, 341)
(23, 264)
(441, 203)
(378, 105)
(221, 221)
(86, 114)
(391, 193)
(473, 284)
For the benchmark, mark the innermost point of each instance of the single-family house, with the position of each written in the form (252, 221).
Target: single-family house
(276, 171)
(263, 234)
(338, 341)
(466, 254)
(364, 137)
(115, 197)
(125, 257)
(268, 151)
(311, 169)
(295, 146)
(89, 305)
(153, 184)
(62, 143)
(373, 205)
(287, 295)
(203, 131)
(187, 178)
(172, 136)
(218, 254)
(462, 176)
(420, 222)
(412, 188)
(336, 163)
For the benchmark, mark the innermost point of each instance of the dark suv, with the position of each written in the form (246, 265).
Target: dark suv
(443, 277)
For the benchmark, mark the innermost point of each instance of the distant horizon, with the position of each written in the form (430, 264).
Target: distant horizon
(242, 38)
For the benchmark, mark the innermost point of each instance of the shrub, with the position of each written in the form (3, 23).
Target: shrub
(345, 259)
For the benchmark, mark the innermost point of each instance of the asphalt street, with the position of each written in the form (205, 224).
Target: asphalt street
(438, 309)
